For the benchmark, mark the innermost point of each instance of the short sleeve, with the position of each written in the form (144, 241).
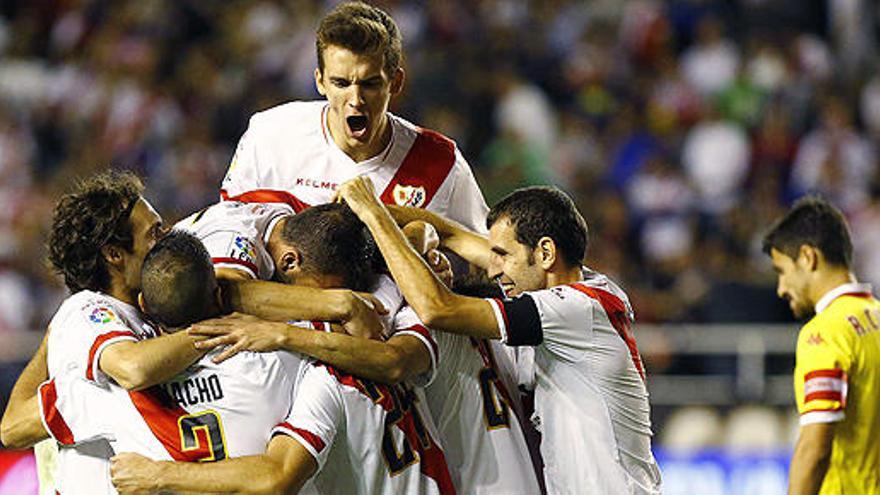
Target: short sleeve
(466, 203)
(67, 405)
(406, 322)
(558, 319)
(821, 374)
(242, 175)
(316, 413)
(230, 249)
(94, 327)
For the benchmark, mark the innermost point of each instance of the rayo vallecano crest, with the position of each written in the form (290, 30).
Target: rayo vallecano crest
(409, 195)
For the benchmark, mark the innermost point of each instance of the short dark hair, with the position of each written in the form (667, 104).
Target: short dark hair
(363, 29)
(178, 281)
(544, 211)
(96, 213)
(333, 241)
(815, 222)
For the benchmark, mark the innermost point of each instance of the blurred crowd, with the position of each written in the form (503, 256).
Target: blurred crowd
(682, 128)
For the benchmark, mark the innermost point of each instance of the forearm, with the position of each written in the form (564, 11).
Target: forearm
(471, 246)
(282, 302)
(142, 364)
(21, 426)
(252, 474)
(370, 359)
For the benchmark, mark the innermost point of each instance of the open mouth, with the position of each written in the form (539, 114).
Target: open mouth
(357, 124)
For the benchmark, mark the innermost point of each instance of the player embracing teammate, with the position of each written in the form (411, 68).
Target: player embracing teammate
(370, 398)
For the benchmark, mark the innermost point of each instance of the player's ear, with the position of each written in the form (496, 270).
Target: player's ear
(112, 254)
(397, 81)
(141, 303)
(319, 82)
(290, 261)
(808, 257)
(546, 252)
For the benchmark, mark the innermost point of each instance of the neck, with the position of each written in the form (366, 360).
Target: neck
(828, 280)
(118, 290)
(564, 276)
(273, 245)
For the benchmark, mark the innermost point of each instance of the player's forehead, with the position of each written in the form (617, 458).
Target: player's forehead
(779, 259)
(502, 234)
(143, 215)
(343, 63)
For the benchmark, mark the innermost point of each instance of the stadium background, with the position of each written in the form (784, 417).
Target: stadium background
(681, 128)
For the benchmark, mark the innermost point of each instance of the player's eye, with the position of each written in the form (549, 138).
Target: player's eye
(340, 83)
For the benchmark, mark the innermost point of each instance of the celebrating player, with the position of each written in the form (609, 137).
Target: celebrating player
(299, 152)
(837, 371)
(590, 396)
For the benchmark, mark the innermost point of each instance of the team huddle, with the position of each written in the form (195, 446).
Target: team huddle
(308, 334)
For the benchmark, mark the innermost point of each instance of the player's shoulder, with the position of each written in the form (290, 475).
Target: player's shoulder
(428, 138)
(88, 303)
(288, 113)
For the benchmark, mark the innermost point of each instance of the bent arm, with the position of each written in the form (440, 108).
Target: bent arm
(21, 427)
(812, 455)
(136, 365)
(437, 306)
(397, 359)
(471, 246)
(281, 302)
(284, 468)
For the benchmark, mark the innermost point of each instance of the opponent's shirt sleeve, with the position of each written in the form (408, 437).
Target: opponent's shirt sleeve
(466, 203)
(74, 410)
(407, 322)
(89, 329)
(229, 249)
(823, 360)
(559, 319)
(243, 173)
(317, 412)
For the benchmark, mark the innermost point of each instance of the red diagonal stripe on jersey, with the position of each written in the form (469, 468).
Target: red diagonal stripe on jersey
(617, 315)
(419, 329)
(52, 416)
(161, 413)
(432, 462)
(427, 164)
(99, 341)
(267, 196)
(833, 373)
(824, 395)
(235, 261)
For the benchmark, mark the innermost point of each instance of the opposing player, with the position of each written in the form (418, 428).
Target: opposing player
(388, 444)
(837, 370)
(299, 152)
(590, 397)
(472, 407)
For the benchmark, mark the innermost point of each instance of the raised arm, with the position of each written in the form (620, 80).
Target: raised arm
(21, 427)
(437, 306)
(284, 468)
(471, 246)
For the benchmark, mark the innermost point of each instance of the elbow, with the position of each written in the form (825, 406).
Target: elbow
(12, 435)
(131, 377)
(394, 374)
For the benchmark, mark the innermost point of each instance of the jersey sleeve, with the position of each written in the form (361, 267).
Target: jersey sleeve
(67, 410)
(316, 414)
(88, 331)
(243, 173)
(408, 323)
(821, 373)
(466, 203)
(232, 250)
(557, 319)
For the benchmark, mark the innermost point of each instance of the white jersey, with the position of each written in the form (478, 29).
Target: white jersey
(85, 324)
(235, 234)
(287, 155)
(591, 403)
(473, 410)
(367, 438)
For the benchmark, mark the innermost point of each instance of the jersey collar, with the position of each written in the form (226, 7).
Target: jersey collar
(841, 290)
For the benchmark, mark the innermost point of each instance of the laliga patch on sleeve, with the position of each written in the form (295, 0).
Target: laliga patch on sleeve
(102, 315)
(243, 249)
